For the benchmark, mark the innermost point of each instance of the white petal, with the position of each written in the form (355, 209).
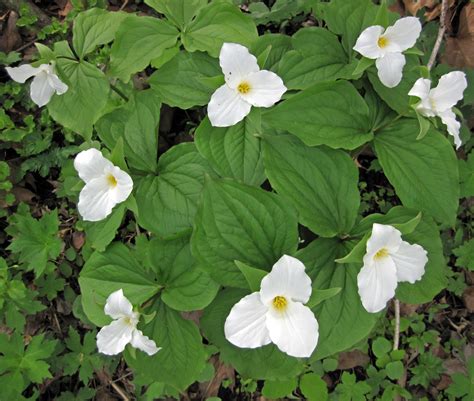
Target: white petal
(143, 343)
(124, 184)
(295, 330)
(449, 90)
(90, 164)
(367, 42)
(377, 281)
(59, 86)
(41, 91)
(95, 200)
(383, 236)
(449, 119)
(390, 69)
(236, 63)
(288, 279)
(112, 339)
(266, 88)
(421, 89)
(410, 261)
(226, 107)
(245, 326)
(404, 33)
(118, 305)
(22, 73)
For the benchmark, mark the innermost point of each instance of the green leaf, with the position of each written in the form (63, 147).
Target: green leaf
(320, 182)
(334, 115)
(233, 152)
(252, 275)
(182, 357)
(179, 12)
(74, 109)
(318, 57)
(274, 389)
(93, 28)
(181, 82)
(239, 222)
(395, 370)
(101, 233)
(362, 65)
(273, 46)
(381, 346)
(116, 268)
(185, 286)
(215, 24)
(136, 123)
(424, 125)
(424, 172)
(261, 363)
(343, 321)
(138, 41)
(168, 202)
(313, 387)
(36, 241)
(318, 296)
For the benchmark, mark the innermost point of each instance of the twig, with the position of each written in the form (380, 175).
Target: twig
(119, 391)
(441, 31)
(396, 336)
(123, 5)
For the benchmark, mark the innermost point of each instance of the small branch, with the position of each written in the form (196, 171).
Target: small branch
(119, 391)
(441, 31)
(396, 336)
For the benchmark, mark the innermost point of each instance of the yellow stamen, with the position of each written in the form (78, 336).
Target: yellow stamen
(128, 320)
(280, 303)
(111, 180)
(243, 87)
(381, 253)
(382, 42)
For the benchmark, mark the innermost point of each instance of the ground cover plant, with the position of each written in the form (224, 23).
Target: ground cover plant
(236, 200)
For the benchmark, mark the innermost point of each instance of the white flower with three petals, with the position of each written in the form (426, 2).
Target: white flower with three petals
(245, 86)
(388, 261)
(386, 47)
(112, 339)
(439, 101)
(276, 314)
(45, 82)
(106, 185)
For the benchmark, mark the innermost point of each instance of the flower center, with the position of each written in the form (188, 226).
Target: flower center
(382, 42)
(432, 103)
(280, 303)
(111, 180)
(381, 253)
(129, 321)
(243, 88)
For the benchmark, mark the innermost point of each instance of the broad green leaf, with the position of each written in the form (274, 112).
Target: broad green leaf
(239, 222)
(116, 268)
(252, 275)
(425, 234)
(138, 41)
(313, 387)
(179, 12)
(280, 10)
(167, 202)
(320, 182)
(318, 57)
(349, 19)
(233, 152)
(332, 114)
(93, 28)
(424, 172)
(84, 102)
(182, 357)
(215, 24)
(274, 389)
(136, 123)
(182, 82)
(185, 286)
(101, 233)
(343, 321)
(261, 363)
(273, 46)
(318, 296)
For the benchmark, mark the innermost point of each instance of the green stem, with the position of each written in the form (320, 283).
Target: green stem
(119, 92)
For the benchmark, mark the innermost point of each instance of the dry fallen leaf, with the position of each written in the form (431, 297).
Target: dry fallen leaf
(468, 298)
(460, 49)
(10, 38)
(351, 359)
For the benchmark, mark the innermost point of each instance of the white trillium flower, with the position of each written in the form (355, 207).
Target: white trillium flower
(45, 82)
(439, 101)
(388, 261)
(112, 339)
(106, 185)
(245, 86)
(386, 47)
(276, 313)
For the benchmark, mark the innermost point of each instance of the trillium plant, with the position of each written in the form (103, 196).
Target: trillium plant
(246, 235)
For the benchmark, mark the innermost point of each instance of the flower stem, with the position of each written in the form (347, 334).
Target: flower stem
(396, 336)
(119, 92)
